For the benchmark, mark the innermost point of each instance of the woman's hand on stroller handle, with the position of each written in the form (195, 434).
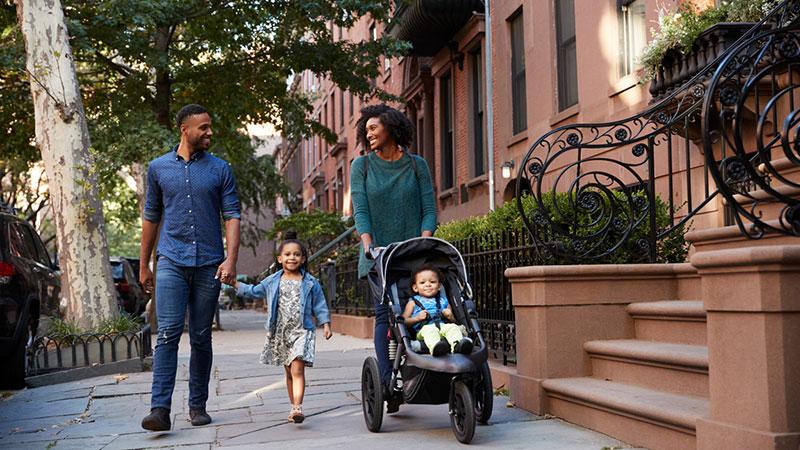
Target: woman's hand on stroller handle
(373, 252)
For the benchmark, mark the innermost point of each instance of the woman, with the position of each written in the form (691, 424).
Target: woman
(392, 197)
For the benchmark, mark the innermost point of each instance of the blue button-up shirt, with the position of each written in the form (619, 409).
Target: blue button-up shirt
(189, 196)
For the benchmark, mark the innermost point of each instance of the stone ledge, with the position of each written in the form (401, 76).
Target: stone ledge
(356, 326)
(749, 256)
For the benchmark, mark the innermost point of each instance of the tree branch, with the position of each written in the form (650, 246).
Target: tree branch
(122, 69)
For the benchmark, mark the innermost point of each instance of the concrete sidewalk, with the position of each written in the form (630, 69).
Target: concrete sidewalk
(249, 406)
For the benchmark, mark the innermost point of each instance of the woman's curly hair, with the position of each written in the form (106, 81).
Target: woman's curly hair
(401, 130)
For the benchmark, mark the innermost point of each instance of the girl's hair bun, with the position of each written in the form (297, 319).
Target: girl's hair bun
(290, 234)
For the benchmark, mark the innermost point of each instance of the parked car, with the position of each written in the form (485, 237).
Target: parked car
(132, 297)
(135, 266)
(30, 288)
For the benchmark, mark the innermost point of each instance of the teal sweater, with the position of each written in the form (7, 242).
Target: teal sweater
(391, 203)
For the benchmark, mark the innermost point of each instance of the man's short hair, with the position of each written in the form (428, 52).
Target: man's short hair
(188, 110)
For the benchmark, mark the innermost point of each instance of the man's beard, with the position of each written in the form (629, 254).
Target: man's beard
(201, 143)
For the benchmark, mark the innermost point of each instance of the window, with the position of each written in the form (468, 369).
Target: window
(446, 94)
(632, 34)
(341, 109)
(476, 75)
(333, 112)
(339, 192)
(352, 105)
(566, 54)
(373, 36)
(518, 91)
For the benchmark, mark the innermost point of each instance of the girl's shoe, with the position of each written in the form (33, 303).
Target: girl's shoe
(296, 415)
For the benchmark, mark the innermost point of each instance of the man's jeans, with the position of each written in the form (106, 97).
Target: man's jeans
(176, 289)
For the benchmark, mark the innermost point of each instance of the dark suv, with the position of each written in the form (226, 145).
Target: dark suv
(30, 287)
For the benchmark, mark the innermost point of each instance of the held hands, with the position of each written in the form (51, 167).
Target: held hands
(227, 272)
(326, 331)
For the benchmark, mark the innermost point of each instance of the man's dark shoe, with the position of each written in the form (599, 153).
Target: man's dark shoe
(441, 348)
(199, 416)
(157, 420)
(464, 346)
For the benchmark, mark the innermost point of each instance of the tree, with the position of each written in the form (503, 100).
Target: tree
(139, 61)
(63, 139)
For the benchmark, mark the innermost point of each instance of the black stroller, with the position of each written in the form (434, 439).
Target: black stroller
(462, 381)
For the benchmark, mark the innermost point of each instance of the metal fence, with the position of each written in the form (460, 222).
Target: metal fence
(487, 257)
(347, 293)
(85, 350)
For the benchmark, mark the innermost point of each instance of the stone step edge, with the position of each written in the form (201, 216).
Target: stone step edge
(628, 401)
(667, 309)
(693, 358)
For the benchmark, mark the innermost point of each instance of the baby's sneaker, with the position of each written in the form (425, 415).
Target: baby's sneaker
(441, 348)
(464, 346)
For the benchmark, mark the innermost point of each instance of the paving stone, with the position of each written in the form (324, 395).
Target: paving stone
(26, 425)
(37, 409)
(218, 418)
(89, 443)
(117, 390)
(234, 401)
(203, 435)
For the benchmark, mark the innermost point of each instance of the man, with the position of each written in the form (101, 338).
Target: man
(187, 190)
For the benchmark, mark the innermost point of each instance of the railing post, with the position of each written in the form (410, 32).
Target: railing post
(651, 201)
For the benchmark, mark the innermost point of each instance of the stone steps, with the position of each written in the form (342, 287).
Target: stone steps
(647, 391)
(675, 368)
(678, 321)
(636, 415)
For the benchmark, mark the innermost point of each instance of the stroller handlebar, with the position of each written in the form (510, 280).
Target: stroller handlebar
(374, 252)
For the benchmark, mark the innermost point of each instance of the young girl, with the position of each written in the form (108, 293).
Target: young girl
(293, 296)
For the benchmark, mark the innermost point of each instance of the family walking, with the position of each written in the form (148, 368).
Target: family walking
(189, 190)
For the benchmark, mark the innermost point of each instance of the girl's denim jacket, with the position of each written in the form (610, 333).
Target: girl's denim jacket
(312, 300)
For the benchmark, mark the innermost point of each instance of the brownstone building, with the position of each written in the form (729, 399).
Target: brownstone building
(697, 354)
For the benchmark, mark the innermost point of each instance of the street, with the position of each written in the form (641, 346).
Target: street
(248, 405)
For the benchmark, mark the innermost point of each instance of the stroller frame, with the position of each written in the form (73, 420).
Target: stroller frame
(421, 378)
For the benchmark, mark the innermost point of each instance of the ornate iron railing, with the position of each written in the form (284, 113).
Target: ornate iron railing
(724, 139)
(487, 257)
(85, 350)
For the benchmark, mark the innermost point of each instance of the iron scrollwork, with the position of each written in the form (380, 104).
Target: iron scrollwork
(593, 186)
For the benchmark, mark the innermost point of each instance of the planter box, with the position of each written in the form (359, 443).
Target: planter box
(677, 68)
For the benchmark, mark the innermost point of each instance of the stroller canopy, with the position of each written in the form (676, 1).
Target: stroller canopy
(400, 259)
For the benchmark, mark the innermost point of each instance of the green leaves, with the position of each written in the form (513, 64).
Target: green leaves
(139, 61)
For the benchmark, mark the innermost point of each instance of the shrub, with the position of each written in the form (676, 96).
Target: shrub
(585, 224)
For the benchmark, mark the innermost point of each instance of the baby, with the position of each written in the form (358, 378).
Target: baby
(425, 311)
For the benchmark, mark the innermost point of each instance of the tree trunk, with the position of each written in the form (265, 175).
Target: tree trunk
(63, 138)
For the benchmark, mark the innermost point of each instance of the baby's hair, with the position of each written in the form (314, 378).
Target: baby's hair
(424, 268)
(290, 237)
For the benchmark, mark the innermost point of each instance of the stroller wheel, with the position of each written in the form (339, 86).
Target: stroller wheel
(484, 394)
(372, 394)
(462, 417)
